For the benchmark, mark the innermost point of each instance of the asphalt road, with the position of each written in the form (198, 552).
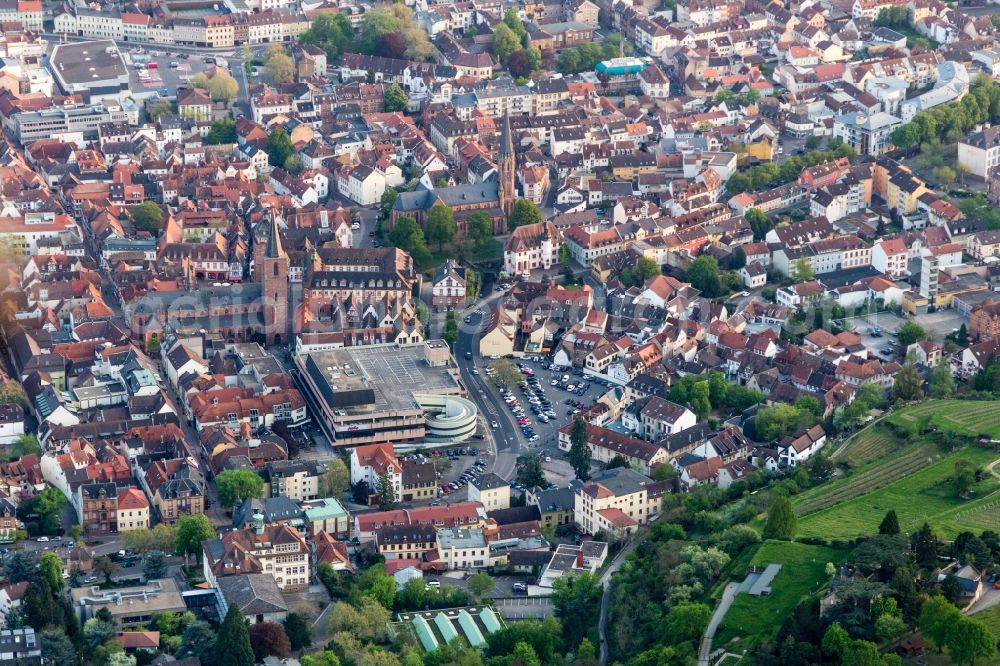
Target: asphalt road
(507, 437)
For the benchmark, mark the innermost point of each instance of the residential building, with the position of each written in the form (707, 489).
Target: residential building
(801, 446)
(491, 491)
(979, 152)
(448, 286)
(297, 480)
(371, 462)
(419, 481)
(277, 550)
(615, 502)
(98, 508)
(133, 510)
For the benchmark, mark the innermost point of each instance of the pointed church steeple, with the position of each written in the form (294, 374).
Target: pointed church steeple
(274, 248)
(505, 167)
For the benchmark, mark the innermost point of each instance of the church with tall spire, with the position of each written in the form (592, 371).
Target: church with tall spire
(495, 196)
(506, 168)
(271, 265)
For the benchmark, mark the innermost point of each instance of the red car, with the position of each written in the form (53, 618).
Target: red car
(371, 234)
(445, 489)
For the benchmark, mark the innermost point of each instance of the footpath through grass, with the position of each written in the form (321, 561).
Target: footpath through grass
(752, 620)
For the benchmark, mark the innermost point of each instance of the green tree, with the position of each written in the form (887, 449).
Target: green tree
(908, 384)
(963, 477)
(909, 333)
(155, 565)
(330, 31)
(523, 213)
(336, 480)
(936, 618)
(120, 659)
(803, 271)
(222, 87)
(505, 373)
(835, 642)
(222, 131)
(687, 621)
(395, 99)
(942, 384)
(577, 602)
(925, 546)
(57, 648)
(441, 226)
(21, 565)
(293, 165)
(944, 174)
(387, 201)
(479, 228)
(198, 640)
(889, 627)
(386, 493)
(505, 42)
(450, 334)
(968, 639)
(781, 521)
(480, 583)
(407, 235)
(529, 471)
(890, 524)
(516, 25)
(107, 567)
(238, 485)
(97, 632)
(147, 216)
(703, 274)
(298, 631)
(525, 655)
(812, 142)
(278, 67)
(646, 268)
(701, 403)
(191, 531)
(50, 567)
(579, 450)
(232, 647)
(278, 147)
(159, 107)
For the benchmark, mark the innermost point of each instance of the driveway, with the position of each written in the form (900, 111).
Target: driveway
(728, 595)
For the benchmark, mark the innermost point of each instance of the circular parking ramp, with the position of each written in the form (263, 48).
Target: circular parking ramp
(449, 418)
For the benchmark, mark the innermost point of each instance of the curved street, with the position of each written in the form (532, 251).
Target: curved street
(507, 436)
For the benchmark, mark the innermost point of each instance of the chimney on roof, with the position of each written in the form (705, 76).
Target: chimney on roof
(579, 559)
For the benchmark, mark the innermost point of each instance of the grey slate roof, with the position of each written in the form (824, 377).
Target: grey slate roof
(255, 593)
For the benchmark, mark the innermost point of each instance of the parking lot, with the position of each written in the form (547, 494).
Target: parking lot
(865, 325)
(941, 323)
(162, 76)
(545, 403)
(524, 608)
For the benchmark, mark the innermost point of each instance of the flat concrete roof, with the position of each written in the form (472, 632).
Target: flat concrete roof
(374, 379)
(88, 63)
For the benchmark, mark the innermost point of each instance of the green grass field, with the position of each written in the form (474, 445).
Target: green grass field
(911, 478)
(991, 618)
(751, 620)
(870, 445)
(916, 485)
(973, 417)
